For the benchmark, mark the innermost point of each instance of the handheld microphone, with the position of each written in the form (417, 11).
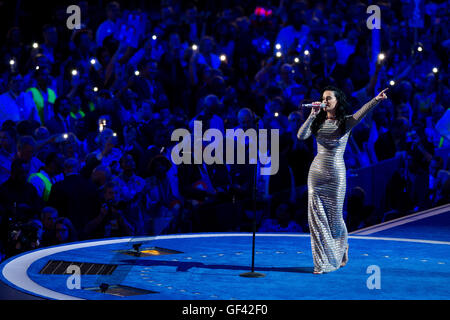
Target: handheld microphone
(310, 105)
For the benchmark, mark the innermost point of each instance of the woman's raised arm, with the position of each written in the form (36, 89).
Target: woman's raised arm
(365, 109)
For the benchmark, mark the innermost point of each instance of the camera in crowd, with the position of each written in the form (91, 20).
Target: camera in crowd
(24, 236)
(109, 205)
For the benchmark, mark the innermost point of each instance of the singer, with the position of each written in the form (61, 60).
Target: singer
(327, 176)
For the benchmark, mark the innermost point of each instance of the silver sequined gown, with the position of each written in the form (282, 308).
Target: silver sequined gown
(326, 190)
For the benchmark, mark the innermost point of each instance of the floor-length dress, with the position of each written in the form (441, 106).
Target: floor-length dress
(326, 190)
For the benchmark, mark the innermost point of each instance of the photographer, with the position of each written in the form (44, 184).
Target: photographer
(24, 237)
(110, 221)
(19, 202)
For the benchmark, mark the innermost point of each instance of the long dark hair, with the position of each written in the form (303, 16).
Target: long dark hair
(341, 110)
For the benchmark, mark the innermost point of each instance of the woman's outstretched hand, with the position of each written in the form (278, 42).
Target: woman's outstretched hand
(381, 95)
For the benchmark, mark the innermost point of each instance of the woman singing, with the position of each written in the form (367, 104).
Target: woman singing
(327, 177)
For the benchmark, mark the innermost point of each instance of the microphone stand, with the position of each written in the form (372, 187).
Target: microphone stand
(254, 274)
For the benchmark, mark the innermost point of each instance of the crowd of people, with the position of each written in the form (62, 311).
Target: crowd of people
(86, 115)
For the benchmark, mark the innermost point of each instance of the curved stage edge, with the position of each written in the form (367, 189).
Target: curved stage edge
(207, 267)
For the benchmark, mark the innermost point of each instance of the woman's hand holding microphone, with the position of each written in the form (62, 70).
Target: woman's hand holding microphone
(315, 109)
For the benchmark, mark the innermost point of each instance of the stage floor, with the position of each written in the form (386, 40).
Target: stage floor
(407, 258)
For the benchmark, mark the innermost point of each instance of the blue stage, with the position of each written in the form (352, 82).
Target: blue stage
(406, 258)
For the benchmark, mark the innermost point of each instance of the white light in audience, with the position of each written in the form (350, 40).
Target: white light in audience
(306, 52)
(11, 62)
(276, 114)
(223, 57)
(194, 47)
(381, 56)
(154, 37)
(278, 46)
(435, 70)
(420, 49)
(136, 73)
(74, 72)
(95, 89)
(296, 60)
(35, 45)
(93, 61)
(392, 82)
(278, 54)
